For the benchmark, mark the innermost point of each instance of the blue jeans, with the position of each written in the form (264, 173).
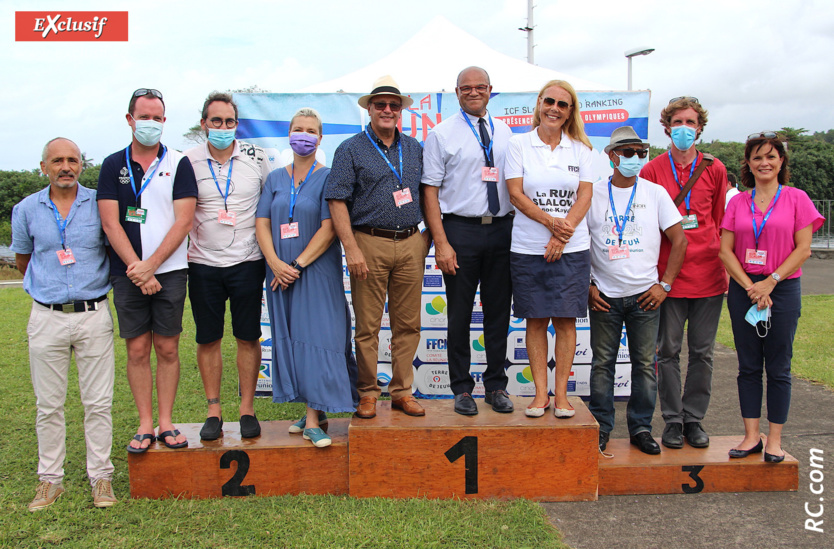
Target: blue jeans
(606, 332)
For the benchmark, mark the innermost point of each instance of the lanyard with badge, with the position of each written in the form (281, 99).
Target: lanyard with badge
(488, 172)
(65, 256)
(135, 214)
(690, 221)
(757, 256)
(224, 216)
(620, 251)
(290, 230)
(402, 196)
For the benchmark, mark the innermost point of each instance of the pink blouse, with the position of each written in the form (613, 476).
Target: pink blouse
(792, 212)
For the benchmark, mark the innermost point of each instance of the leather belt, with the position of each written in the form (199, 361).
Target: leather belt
(387, 233)
(485, 220)
(75, 306)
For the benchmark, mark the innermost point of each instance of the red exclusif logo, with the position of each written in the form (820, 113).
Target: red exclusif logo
(70, 26)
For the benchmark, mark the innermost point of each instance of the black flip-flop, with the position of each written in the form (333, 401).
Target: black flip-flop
(140, 438)
(161, 437)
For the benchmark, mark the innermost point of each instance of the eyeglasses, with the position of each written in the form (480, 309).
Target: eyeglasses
(682, 97)
(380, 106)
(762, 135)
(549, 102)
(218, 122)
(142, 92)
(466, 90)
(628, 153)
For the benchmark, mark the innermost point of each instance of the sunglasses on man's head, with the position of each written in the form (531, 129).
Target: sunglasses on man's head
(628, 153)
(687, 97)
(142, 92)
(380, 106)
(549, 102)
(762, 135)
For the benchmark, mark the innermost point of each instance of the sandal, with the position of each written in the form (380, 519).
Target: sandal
(173, 434)
(140, 438)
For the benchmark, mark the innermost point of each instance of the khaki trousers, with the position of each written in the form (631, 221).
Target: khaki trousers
(53, 336)
(396, 269)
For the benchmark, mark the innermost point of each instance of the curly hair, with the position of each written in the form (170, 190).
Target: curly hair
(682, 104)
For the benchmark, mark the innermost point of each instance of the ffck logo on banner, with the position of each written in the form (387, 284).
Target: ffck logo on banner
(71, 26)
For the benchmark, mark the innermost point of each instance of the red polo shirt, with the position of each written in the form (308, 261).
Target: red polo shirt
(702, 274)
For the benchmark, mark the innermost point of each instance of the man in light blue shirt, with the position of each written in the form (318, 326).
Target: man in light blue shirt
(59, 247)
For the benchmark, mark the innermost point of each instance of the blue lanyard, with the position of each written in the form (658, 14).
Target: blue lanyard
(293, 191)
(152, 169)
(228, 180)
(675, 173)
(61, 227)
(487, 149)
(620, 230)
(757, 231)
(384, 157)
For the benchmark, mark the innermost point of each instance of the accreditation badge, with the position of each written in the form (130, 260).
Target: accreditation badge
(66, 257)
(755, 257)
(618, 252)
(690, 222)
(289, 230)
(226, 218)
(136, 215)
(489, 174)
(402, 197)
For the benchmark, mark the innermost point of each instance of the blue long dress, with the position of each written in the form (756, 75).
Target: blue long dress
(312, 360)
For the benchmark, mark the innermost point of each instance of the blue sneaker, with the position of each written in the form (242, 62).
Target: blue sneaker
(299, 425)
(319, 438)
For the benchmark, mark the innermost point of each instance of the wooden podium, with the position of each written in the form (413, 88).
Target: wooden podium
(446, 455)
(274, 463)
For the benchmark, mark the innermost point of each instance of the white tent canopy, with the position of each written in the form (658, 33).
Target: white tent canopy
(444, 50)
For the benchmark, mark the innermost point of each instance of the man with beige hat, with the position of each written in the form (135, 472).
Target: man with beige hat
(373, 192)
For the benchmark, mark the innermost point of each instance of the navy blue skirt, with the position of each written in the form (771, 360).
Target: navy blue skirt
(548, 290)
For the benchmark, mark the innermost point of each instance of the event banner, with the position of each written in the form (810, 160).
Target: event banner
(264, 120)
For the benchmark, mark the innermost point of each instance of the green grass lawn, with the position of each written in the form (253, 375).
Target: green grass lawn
(812, 344)
(300, 521)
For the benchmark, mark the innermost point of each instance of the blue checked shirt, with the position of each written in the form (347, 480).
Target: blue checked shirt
(35, 232)
(362, 179)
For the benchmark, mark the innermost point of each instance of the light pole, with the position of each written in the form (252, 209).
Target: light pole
(634, 53)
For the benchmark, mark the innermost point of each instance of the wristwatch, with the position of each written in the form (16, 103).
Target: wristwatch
(775, 276)
(297, 267)
(666, 287)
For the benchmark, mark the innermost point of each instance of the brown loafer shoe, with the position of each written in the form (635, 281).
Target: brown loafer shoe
(367, 407)
(409, 405)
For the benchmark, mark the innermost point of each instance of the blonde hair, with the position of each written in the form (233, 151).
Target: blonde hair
(574, 126)
(310, 113)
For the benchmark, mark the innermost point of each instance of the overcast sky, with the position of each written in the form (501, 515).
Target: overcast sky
(754, 65)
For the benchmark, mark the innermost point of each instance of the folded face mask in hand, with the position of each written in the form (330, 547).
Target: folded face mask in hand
(754, 316)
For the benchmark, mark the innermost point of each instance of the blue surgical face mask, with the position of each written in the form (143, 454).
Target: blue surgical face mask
(630, 167)
(148, 132)
(683, 137)
(754, 316)
(221, 139)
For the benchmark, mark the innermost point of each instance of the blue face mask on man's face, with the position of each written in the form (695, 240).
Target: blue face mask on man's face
(683, 137)
(755, 315)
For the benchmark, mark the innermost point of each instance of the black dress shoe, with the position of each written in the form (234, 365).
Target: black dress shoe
(695, 435)
(465, 405)
(212, 429)
(249, 427)
(499, 400)
(672, 435)
(644, 441)
(771, 458)
(736, 453)
(603, 440)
